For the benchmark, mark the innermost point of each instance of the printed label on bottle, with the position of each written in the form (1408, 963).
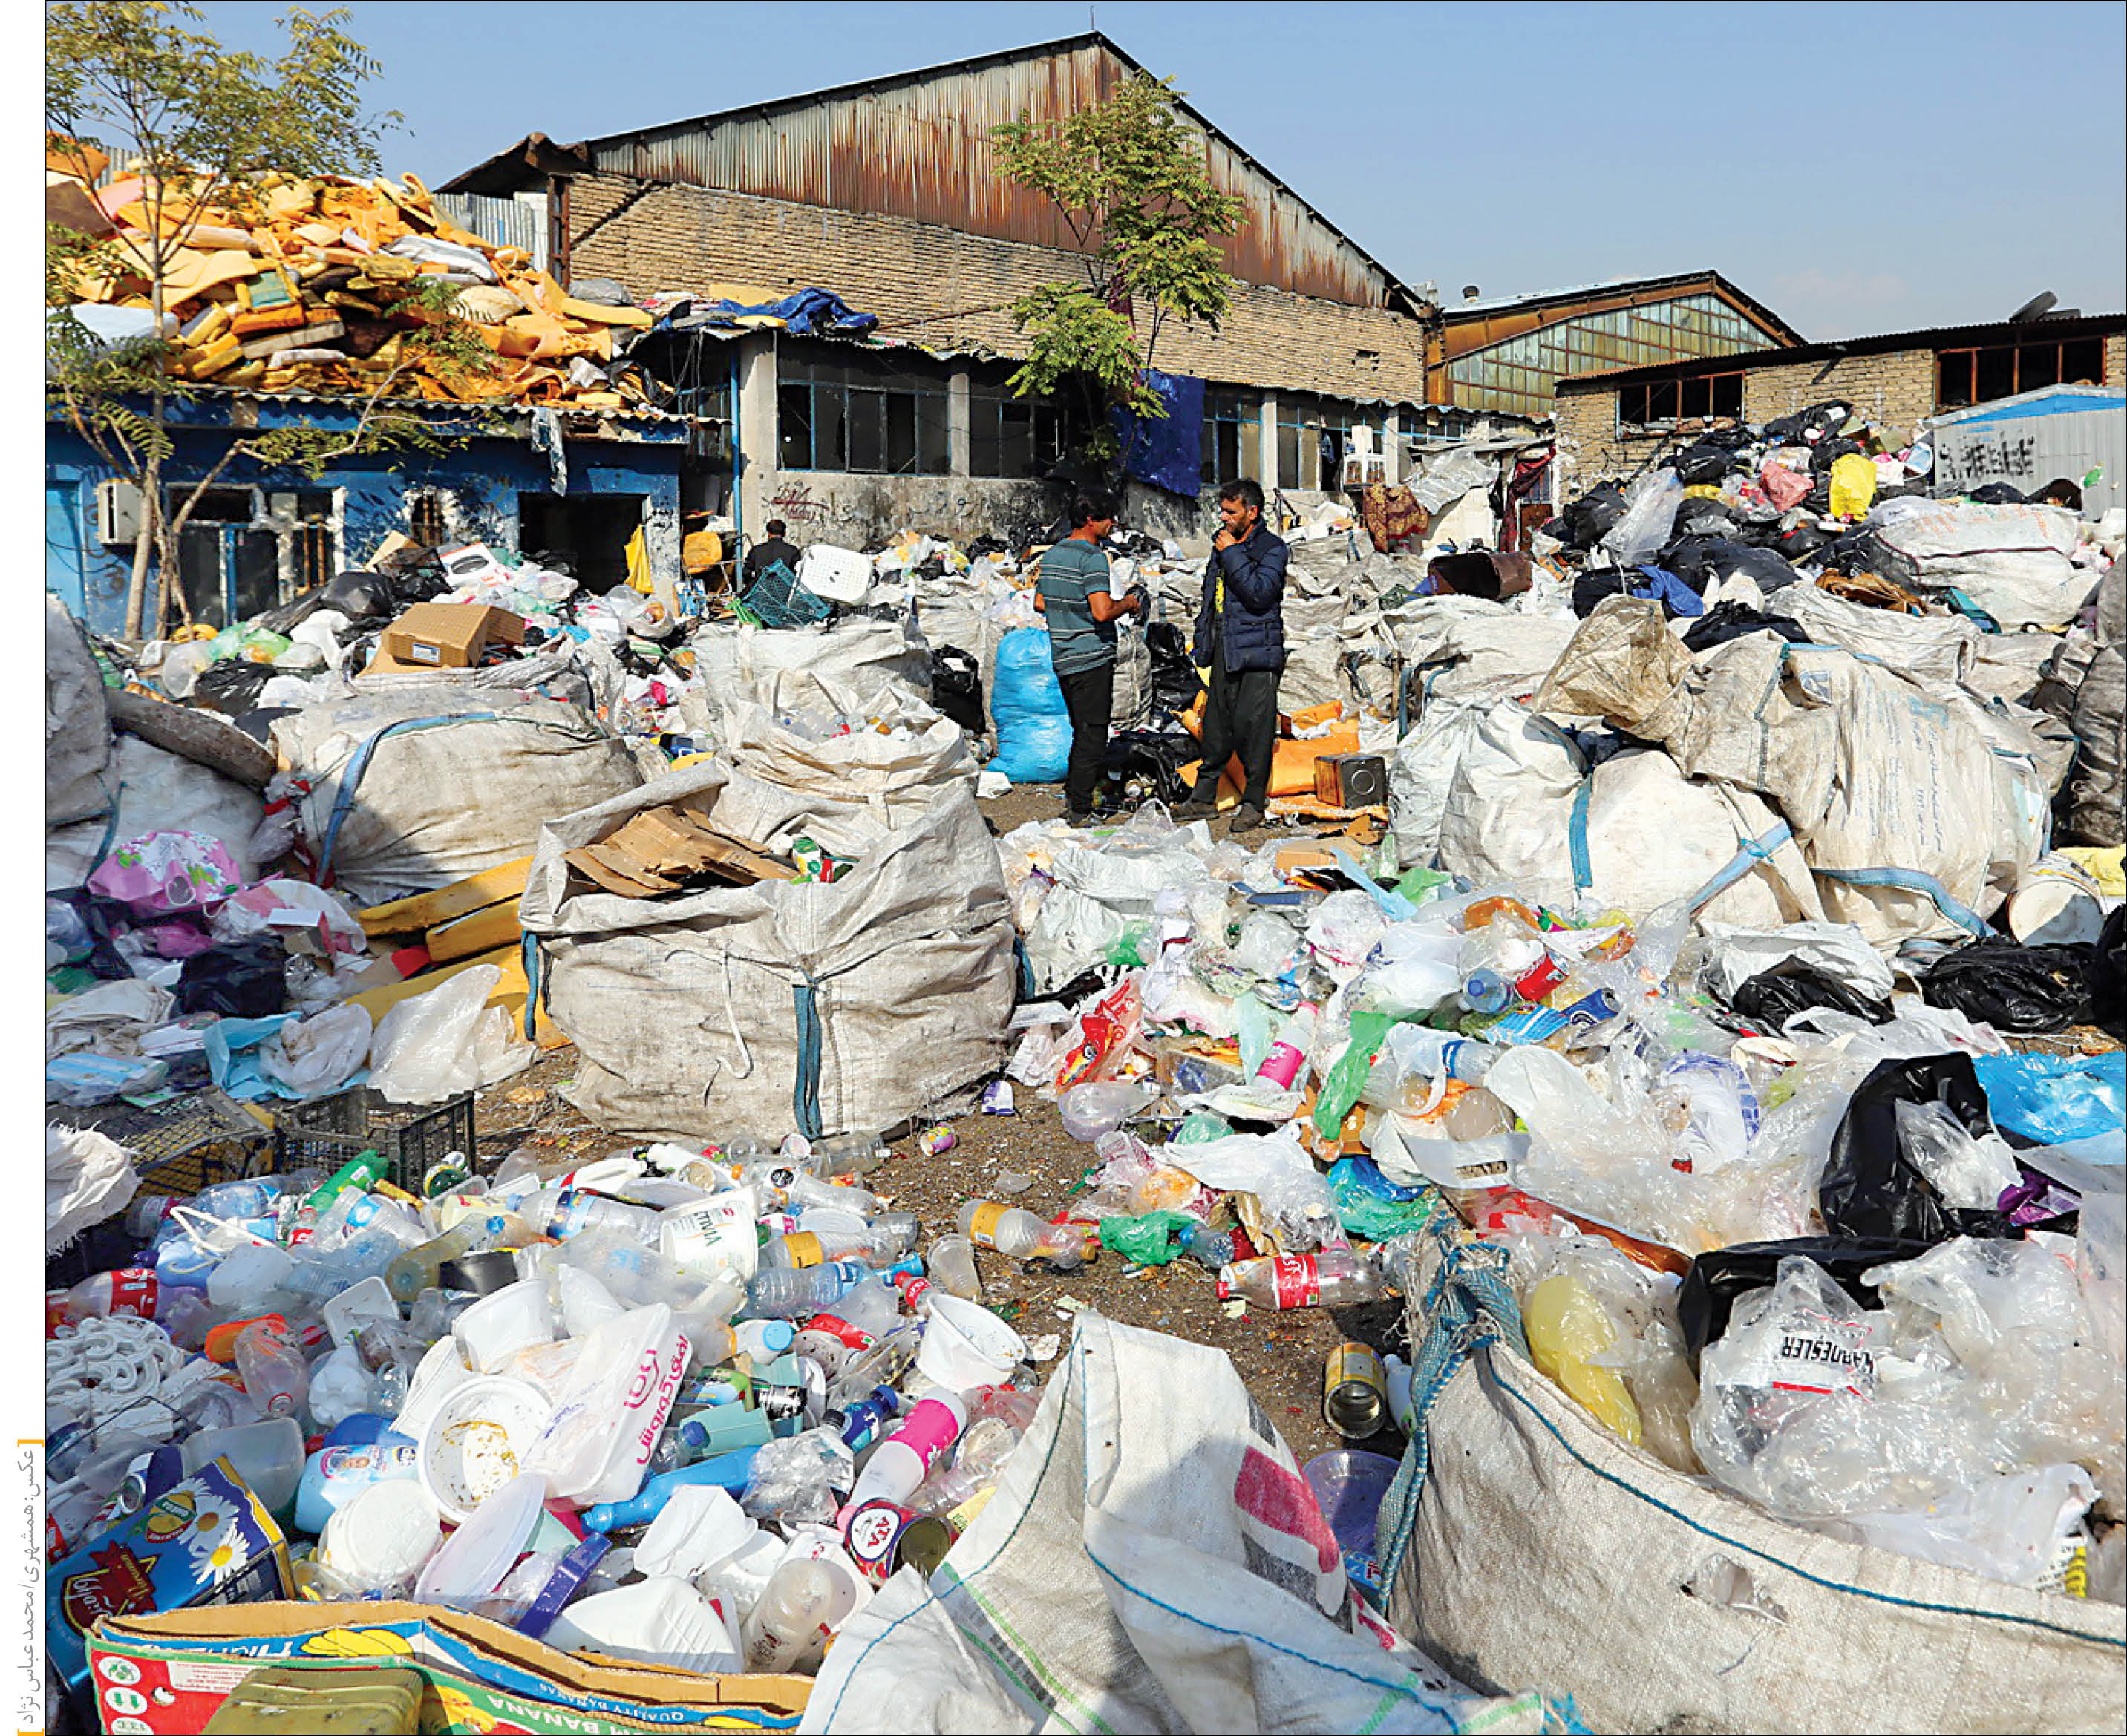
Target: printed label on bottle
(982, 1226)
(1294, 1281)
(804, 1249)
(875, 1529)
(856, 1337)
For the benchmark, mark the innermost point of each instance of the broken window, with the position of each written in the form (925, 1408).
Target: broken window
(1701, 397)
(425, 522)
(243, 551)
(856, 410)
(1982, 374)
(1011, 435)
(1233, 427)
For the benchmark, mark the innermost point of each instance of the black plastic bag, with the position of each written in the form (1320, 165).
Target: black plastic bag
(956, 686)
(2011, 987)
(1812, 425)
(1701, 462)
(2104, 975)
(1996, 493)
(1870, 1187)
(1175, 682)
(1773, 997)
(1696, 557)
(1591, 588)
(1800, 543)
(232, 687)
(1699, 516)
(1768, 571)
(1717, 1280)
(1145, 765)
(245, 980)
(1592, 518)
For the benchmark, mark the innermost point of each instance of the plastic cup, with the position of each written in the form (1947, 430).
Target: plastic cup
(964, 1345)
(478, 1439)
(379, 1540)
(1348, 1486)
(496, 1327)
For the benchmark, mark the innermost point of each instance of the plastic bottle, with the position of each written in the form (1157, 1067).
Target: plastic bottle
(1328, 1279)
(726, 1471)
(362, 1173)
(797, 1294)
(277, 1378)
(1210, 1248)
(1288, 1054)
(898, 1465)
(416, 1269)
(860, 1422)
(332, 1477)
(576, 1210)
(1485, 991)
(1018, 1234)
(1568, 1328)
(133, 1291)
(786, 1630)
(848, 1154)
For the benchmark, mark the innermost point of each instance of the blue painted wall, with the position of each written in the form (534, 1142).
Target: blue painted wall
(479, 480)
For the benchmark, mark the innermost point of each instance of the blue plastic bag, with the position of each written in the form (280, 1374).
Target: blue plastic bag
(2053, 1098)
(1034, 729)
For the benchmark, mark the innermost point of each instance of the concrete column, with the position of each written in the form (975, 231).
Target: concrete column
(1392, 446)
(958, 417)
(754, 415)
(1267, 443)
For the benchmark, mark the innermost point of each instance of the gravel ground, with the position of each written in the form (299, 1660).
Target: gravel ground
(1279, 1355)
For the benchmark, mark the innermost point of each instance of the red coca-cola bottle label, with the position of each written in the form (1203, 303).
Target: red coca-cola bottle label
(134, 1291)
(1294, 1282)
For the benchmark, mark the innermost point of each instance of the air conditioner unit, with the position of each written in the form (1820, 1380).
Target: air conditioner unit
(117, 513)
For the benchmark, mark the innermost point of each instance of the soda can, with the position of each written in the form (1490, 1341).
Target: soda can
(933, 1142)
(996, 1098)
(1355, 1392)
(923, 1545)
(873, 1535)
(1591, 1010)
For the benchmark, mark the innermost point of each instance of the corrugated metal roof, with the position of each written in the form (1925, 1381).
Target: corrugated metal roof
(913, 145)
(1473, 325)
(349, 401)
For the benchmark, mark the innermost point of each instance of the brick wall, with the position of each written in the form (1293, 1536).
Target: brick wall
(942, 287)
(2115, 359)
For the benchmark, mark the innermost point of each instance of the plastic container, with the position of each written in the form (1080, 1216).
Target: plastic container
(964, 1345)
(268, 1455)
(482, 1550)
(1092, 1109)
(347, 1313)
(335, 1475)
(898, 1466)
(662, 1621)
(496, 1327)
(379, 1540)
(787, 1631)
(478, 1439)
(951, 1266)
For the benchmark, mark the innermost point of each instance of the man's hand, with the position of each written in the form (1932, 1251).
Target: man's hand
(1225, 539)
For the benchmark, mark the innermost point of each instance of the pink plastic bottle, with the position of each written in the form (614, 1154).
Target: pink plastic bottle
(1281, 1066)
(898, 1466)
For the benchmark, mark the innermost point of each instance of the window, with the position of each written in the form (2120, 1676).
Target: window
(425, 519)
(1980, 375)
(1009, 436)
(1436, 428)
(1313, 435)
(857, 410)
(1232, 432)
(242, 552)
(1703, 396)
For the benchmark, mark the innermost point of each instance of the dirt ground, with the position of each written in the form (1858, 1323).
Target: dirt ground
(1279, 1355)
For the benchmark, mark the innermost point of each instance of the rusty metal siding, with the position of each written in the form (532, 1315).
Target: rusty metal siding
(918, 149)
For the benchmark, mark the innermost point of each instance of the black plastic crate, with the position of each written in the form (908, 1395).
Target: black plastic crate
(410, 1138)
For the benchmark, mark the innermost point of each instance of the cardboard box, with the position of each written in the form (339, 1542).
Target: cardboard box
(206, 1540)
(450, 635)
(167, 1673)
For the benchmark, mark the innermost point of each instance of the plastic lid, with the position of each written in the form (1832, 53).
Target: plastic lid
(564, 1582)
(472, 1563)
(382, 1536)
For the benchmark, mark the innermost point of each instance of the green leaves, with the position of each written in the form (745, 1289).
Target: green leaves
(1130, 179)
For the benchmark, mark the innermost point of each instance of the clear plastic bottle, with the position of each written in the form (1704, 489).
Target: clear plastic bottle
(576, 1210)
(415, 1269)
(134, 1290)
(275, 1375)
(786, 1632)
(798, 1294)
(1018, 1234)
(950, 1265)
(848, 1154)
(1330, 1279)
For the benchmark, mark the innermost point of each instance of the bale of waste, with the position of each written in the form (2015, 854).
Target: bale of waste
(865, 1004)
(154, 790)
(1668, 1604)
(1033, 726)
(892, 772)
(406, 791)
(1524, 809)
(730, 658)
(77, 723)
(2011, 561)
(2099, 716)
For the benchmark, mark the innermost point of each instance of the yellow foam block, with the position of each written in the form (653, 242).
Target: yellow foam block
(463, 936)
(425, 911)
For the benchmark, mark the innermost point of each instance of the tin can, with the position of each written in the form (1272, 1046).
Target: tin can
(934, 1140)
(923, 1545)
(1355, 1391)
(872, 1536)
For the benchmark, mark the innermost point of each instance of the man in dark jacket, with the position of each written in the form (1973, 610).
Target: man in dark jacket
(773, 548)
(1240, 638)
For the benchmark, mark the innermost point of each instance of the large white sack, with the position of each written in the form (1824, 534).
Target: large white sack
(1314, 648)
(1646, 837)
(411, 789)
(1939, 647)
(860, 1004)
(2011, 561)
(731, 658)
(77, 723)
(1894, 795)
(1464, 648)
(156, 791)
(1527, 1537)
(897, 772)
(1153, 1559)
(1422, 772)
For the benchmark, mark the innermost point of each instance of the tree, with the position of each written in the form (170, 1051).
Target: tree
(206, 130)
(1130, 180)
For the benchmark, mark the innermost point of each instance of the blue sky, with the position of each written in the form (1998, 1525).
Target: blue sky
(1858, 168)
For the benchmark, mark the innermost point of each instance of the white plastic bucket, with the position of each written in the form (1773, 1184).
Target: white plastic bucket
(378, 1541)
(478, 1441)
(964, 1345)
(496, 1327)
(2056, 904)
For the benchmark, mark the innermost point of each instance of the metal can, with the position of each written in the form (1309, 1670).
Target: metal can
(1355, 1392)
(934, 1140)
(923, 1545)
(871, 1537)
